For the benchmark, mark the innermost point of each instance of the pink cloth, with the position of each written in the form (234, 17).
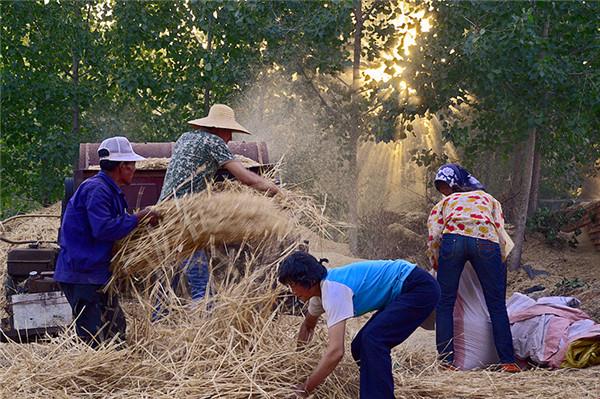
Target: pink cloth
(548, 329)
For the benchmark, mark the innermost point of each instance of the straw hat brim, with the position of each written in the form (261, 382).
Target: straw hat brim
(216, 122)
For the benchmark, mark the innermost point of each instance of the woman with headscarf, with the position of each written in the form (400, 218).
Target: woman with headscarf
(468, 225)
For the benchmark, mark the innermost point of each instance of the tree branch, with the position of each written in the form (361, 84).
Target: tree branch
(373, 109)
(367, 13)
(342, 81)
(316, 91)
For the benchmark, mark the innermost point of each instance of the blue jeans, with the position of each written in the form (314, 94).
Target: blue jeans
(486, 260)
(389, 327)
(197, 274)
(196, 269)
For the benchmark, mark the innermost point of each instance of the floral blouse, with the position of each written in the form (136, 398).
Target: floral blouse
(473, 214)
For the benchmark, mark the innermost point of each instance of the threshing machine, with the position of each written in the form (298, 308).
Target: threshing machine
(35, 304)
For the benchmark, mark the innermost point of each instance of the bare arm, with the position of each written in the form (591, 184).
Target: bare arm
(307, 329)
(330, 359)
(251, 179)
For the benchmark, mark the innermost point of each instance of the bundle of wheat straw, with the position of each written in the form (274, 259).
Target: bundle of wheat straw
(193, 222)
(301, 208)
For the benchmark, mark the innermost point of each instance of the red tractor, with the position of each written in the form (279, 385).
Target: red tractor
(36, 306)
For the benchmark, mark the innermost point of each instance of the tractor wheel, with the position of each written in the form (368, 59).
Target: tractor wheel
(69, 191)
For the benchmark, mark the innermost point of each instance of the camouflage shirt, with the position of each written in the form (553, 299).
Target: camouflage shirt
(196, 158)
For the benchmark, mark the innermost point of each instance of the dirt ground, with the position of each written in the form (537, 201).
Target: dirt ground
(571, 272)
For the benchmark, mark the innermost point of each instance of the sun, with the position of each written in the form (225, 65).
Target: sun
(388, 65)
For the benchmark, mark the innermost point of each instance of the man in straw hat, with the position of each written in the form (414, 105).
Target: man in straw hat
(197, 156)
(94, 219)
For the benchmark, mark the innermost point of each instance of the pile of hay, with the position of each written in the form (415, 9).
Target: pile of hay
(240, 343)
(197, 222)
(237, 346)
(148, 163)
(163, 163)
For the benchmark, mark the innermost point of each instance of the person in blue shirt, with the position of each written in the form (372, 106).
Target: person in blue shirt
(401, 294)
(94, 219)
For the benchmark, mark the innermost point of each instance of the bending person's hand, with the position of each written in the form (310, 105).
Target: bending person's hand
(307, 329)
(300, 392)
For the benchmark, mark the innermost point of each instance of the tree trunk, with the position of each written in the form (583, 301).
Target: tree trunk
(537, 161)
(529, 187)
(75, 79)
(520, 218)
(509, 204)
(209, 49)
(355, 127)
(535, 183)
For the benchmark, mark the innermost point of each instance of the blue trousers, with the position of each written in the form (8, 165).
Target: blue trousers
(196, 269)
(389, 327)
(197, 274)
(486, 259)
(98, 316)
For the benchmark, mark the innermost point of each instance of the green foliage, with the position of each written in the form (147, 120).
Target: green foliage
(146, 67)
(428, 158)
(391, 101)
(143, 70)
(39, 45)
(518, 65)
(167, 56)
(549, 223)
(567, 286)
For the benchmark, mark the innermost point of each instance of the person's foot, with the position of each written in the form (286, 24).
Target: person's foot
(448, 366)
(510, 368)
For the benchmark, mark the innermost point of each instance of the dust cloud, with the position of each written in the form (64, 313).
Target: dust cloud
(293, 128)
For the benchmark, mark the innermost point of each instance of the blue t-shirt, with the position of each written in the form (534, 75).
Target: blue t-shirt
(359, 288)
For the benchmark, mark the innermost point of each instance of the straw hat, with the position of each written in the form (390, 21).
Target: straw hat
(222, 116)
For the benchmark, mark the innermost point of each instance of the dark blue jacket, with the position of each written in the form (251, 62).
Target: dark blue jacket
(95, 217)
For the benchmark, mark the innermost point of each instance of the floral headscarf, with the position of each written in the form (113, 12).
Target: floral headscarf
(458, 178)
